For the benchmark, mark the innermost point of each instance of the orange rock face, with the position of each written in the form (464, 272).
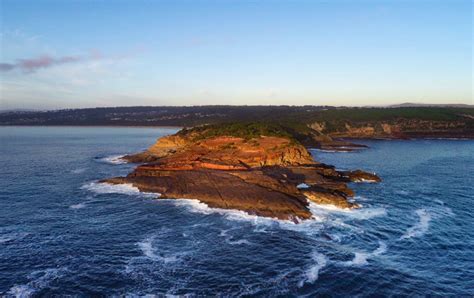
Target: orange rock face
(219, 152)
(262, 175)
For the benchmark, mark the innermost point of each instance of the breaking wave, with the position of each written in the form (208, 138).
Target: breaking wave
(421, 227)
(78, 206)
(113, 159)
(360, 213)
(107, 188)
(197, 206)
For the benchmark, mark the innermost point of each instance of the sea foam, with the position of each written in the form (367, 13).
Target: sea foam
(148, 250)
(312, 273)
(78, 206)
(38, 280)
(197, 206)
(107, 188)
(360, 258)
(421, 227)
(78, 171)
(113, 159)
(229, 238)
(360, 213)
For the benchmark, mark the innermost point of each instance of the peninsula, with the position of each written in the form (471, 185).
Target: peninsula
(257, 167)
(326, 125)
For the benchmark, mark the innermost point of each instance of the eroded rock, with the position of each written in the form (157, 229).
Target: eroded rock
(258, 175)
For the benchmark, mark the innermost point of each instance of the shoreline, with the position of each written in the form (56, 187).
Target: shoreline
(92, 126)
(181, 127)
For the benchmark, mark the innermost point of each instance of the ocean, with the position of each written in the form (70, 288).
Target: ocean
(63, 233)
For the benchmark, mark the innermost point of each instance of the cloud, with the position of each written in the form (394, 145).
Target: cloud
(45, 61)
(6, 66)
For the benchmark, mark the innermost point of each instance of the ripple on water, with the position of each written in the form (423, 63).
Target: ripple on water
(10, 237)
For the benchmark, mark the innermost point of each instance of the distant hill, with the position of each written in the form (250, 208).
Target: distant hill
(321, 122)
(18, 111)
(410, 105)
(198, 115)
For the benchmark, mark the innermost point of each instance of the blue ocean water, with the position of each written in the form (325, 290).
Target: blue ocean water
(63, 233)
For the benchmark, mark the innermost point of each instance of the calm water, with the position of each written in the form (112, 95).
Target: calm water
(61, 233)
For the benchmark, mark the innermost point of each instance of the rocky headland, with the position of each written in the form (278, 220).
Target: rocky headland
(262, 169)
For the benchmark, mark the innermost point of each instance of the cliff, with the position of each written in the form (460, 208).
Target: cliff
(260, 169)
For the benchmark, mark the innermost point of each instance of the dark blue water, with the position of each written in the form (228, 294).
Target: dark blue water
(62, 233)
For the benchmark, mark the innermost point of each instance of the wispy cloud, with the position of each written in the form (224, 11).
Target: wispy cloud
(45, 61)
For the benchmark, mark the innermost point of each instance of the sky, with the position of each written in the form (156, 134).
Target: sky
(84, 53)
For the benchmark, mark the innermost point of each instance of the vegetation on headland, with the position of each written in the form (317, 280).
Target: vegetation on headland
(199, 115)
(245, 130)
(288, 121)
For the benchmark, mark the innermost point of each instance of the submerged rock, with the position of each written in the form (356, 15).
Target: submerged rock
(257, 174)
(361, 176)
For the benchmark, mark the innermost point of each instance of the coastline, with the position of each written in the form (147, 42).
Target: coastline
(159, 239)
(107, 126)
(349, 139)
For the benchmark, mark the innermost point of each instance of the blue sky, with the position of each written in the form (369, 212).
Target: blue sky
(68, 54)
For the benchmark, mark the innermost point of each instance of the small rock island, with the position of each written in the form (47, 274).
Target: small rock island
(260, 168)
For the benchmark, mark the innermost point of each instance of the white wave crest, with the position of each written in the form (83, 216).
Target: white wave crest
(113, 159)
(360, 213)
(381, 249)
(308, 226)
(239, 242)
(360, 258)
(107, 188)
(421, 227)
(78, 171)
(78, 206)
(5, 239)
(321, 215)
(367, 213)
(197, 206)
(312, 273)
(21, 291)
